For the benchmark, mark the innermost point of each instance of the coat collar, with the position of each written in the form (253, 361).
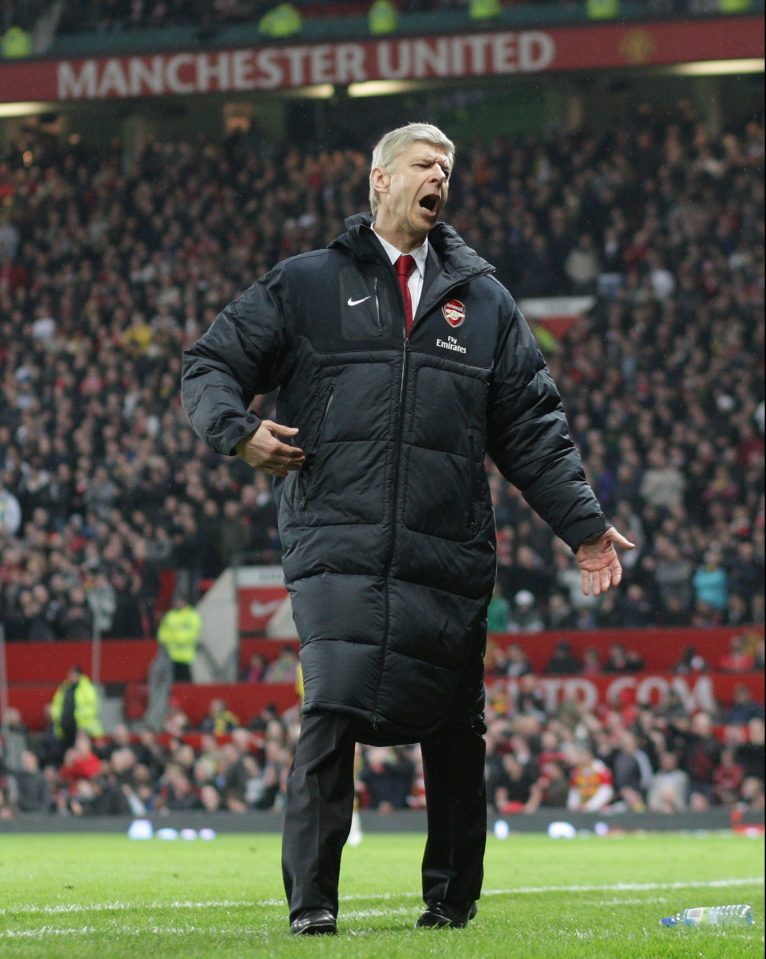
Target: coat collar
(457, 260)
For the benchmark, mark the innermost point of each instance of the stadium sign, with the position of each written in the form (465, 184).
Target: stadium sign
(459, 56)
(695, 692)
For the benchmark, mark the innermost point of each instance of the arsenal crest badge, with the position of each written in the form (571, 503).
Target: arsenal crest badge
(454, 313)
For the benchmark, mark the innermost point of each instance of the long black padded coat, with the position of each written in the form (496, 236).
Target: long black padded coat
(388, 530)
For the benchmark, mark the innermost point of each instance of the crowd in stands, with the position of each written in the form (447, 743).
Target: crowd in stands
(625, 756)
(111, 263)
(111, 15)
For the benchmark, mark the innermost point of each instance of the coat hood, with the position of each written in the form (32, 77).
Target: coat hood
(460, 262)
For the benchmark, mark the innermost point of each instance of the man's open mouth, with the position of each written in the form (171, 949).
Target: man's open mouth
(430, 202)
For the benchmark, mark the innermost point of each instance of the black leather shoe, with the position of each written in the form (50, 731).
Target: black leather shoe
(442, 915)
(314, 922)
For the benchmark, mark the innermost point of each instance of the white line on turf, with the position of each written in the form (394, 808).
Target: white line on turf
(51, 931)
(117, 906)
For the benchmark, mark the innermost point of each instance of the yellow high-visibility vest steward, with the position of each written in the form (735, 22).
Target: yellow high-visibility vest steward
(86, 707)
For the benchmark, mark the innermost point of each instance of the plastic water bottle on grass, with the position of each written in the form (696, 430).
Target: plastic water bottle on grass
(711, 916)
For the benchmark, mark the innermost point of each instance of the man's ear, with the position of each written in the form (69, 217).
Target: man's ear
(380, 179)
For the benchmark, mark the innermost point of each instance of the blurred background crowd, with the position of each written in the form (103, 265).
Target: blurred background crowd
(72, 17)
(110, 263)
(611, 759)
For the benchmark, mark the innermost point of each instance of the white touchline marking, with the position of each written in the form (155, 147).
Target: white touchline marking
(129, 931)
(67, 908)
(629, 886)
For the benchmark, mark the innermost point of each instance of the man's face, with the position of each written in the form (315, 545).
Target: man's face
(412, 193)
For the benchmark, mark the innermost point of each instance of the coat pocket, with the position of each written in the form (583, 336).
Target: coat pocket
(307, 477)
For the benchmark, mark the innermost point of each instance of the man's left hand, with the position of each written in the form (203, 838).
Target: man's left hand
(599, 564)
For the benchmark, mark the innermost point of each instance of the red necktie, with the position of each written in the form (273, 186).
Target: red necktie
(404, 266)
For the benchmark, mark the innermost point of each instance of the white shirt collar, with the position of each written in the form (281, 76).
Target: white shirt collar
(420, 255)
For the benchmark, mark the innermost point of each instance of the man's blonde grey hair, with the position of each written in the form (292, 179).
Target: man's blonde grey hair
(388, 148)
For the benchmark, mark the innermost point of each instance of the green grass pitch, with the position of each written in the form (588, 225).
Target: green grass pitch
(98, 896)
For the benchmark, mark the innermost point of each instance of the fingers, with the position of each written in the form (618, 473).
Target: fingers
(608, 577)
(617, 537)
(283, 459)
(279, 428)
(283, 455)
(262, 449)
(600, 580)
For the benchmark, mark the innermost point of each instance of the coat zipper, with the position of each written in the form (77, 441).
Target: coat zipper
(395, 503)
(305, 498)
(394, 507)
(377, 306)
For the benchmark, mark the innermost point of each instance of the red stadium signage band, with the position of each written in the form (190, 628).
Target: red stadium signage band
(273, 68)
(457, 56)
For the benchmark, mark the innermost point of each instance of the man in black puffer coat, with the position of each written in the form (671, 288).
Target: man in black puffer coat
(400, 362)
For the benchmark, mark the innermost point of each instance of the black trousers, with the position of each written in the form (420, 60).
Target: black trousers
(320, 798)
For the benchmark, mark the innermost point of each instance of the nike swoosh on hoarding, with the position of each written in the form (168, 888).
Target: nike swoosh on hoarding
(357, 302)
(263, 609)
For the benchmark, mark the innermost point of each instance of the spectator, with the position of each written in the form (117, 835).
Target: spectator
(10, 511)
(672, 574)
(745, 571)
(751, 753)
(710, 582)
(387, 775)
(591, 662)
(591, 787)
(560, 614)
(102, 600)
(256, 669)
(635, 609)
(621, 660)
(177, 791)
(80, 762)
(33, 794)
(563, 661)
(498, 611)
(517, 663)
(751, 797)
(582, 265)
(75, 709)
(551, 789)
(702, 753)
(743, 707)
(737, 659)
(264, 787)
(284, 668)
(663, 484)
(219, 719)
(509, 782)
(728, 777)
(529, 698)
(178, 633)
(690, 661)
(525, 616)
(76, 618)
(631, 774)
(669, 787)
